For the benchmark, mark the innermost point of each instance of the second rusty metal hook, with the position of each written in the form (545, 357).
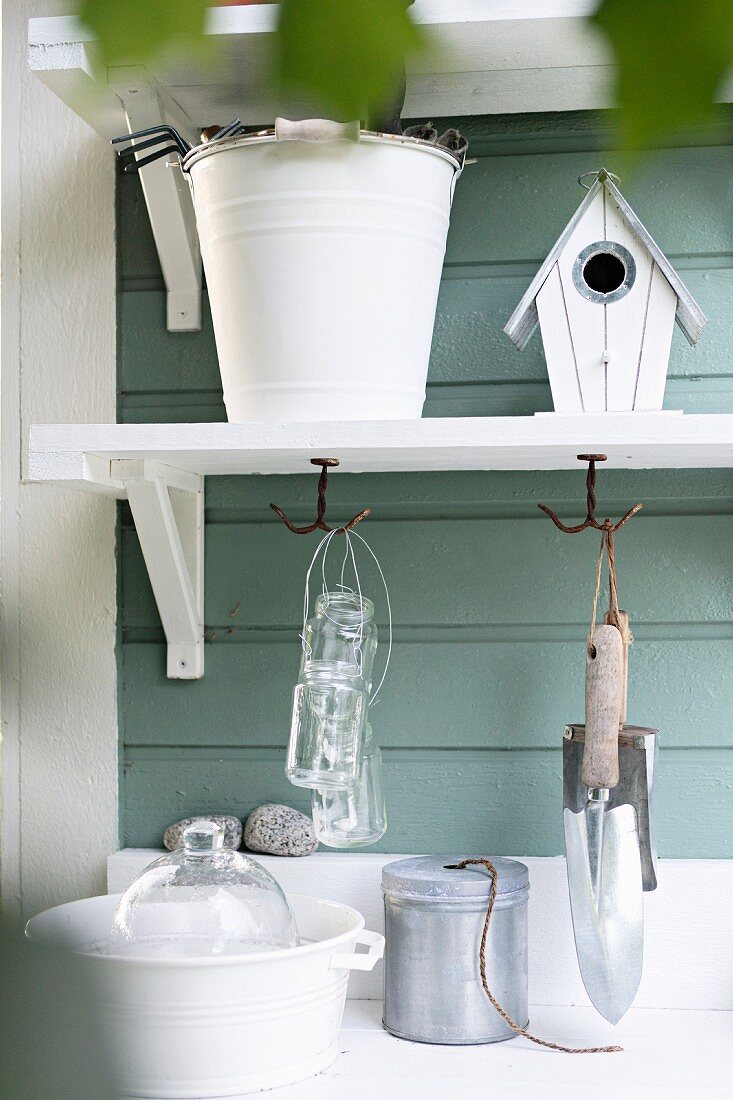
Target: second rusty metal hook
(590, 518)
(319, 523)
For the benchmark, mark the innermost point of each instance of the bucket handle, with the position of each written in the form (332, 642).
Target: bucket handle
(373, 940)
(318, 131)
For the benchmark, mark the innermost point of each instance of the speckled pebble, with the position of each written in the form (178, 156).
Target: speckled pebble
(232, 826)
(279, 831)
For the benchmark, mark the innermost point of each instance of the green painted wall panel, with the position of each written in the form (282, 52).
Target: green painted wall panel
(153, 360)
(467, 800)
(464, 573)
(491, 603)
(474, 494)
(693, 395)
(469, 345)
(514, 208)
(476, 689)
(523, 190)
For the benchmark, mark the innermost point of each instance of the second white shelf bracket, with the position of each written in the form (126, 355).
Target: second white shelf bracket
(168, 200)
(167, 506)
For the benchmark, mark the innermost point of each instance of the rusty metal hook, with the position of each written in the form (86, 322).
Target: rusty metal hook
(319, 524)
(590, 518)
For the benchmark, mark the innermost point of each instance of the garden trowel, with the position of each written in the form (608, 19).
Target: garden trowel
(602, 837)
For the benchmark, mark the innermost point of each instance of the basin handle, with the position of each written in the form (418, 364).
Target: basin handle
(373, 940)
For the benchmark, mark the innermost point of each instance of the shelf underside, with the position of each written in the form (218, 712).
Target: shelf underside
(535, 55)
(489, 57)
(83, 454)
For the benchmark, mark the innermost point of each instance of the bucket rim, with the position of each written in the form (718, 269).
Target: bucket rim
(261, 137)
(333, 943)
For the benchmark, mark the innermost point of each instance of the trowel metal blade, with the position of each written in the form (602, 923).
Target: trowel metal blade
(606, 899)
(637, 757)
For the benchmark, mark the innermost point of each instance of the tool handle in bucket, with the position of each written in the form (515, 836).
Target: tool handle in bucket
(603, 686)
(316, 130)
(621, 620)
(373, 940)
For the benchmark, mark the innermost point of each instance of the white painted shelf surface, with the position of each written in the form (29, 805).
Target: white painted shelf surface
(672, 1054)
(677, 1038)
(488, 57)
(88, 454)
(160, 469)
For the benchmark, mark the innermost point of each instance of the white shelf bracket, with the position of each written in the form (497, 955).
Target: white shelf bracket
(167, 506)
(168, 199)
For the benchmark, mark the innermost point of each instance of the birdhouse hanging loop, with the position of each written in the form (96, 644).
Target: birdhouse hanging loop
(606, 300)
(597, 174)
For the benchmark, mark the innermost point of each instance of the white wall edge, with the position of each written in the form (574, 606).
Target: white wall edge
(58, 574)
(10, 464)
(688, 947)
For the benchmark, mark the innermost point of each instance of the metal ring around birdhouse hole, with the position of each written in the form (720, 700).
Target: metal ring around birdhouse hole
(611, 248)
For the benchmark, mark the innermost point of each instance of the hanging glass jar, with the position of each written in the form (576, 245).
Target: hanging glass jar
(352, 818)
(331, 698)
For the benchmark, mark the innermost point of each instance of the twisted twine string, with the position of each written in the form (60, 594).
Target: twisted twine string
(607, 548)
(599, 568)
(482, 963)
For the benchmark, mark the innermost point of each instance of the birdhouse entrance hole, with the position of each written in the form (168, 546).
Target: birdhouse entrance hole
(604, 272)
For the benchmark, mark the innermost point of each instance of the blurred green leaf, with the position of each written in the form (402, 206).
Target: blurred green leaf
(348, 54)
(134, 30)
(672, 56)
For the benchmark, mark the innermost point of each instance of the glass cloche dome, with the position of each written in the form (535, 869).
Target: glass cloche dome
(203, 899)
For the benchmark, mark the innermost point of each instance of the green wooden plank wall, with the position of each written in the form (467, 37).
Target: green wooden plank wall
(490, 602)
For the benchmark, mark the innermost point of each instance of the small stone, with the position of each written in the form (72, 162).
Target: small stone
(232, 826)
(279, 831)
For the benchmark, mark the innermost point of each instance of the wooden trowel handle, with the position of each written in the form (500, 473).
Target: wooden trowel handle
(604, 666)
(621, 620)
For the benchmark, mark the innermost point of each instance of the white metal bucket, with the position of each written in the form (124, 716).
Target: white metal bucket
(226, 1027)
(323, 262)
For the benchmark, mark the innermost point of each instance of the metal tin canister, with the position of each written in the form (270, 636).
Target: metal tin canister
(433, 923)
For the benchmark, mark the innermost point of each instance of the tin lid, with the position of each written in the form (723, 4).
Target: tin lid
(428, 877)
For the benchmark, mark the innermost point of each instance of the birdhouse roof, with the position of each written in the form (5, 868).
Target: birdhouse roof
(689, 316)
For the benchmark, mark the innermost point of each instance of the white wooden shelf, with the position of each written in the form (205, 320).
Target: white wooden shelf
(490, 56)
(160, 469)
(87, 455)
(676, 1054)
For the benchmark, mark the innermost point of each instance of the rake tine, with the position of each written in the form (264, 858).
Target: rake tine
(228, 130)
(160, 129)
(163, 130)
(140, 145)
(136, 165)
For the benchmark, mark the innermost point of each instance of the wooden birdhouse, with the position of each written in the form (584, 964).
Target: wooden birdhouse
(606, 299)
